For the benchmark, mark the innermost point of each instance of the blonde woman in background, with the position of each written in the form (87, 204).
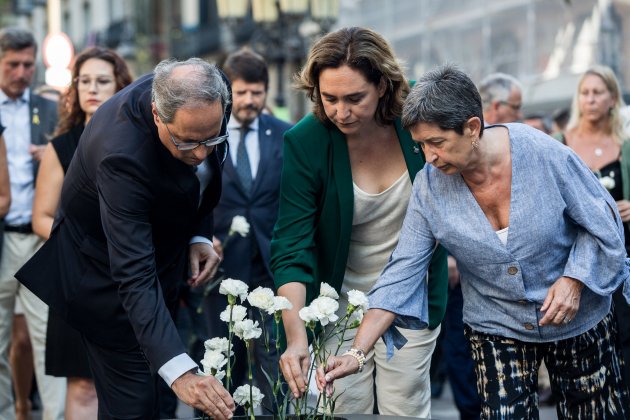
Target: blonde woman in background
(595, 132)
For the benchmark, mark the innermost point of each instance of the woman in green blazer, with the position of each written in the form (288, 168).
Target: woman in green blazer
(346, 182)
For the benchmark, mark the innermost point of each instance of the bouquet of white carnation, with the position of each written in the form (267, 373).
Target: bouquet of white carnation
(219, 362)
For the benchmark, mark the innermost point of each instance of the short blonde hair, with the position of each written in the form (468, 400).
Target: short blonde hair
(362, 50)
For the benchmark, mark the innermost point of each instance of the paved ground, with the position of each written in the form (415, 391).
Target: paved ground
(442, 408)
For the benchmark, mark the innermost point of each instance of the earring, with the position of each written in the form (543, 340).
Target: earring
(475, 143)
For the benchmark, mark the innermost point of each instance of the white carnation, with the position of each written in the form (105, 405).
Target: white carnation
(242, 394)
(238, 313)
(358, 299)
(239, 225)
(214, 360)
(247, 329)
(261, 297)
(307, 314)
(280, 303)
(324, 308)
(328, 291)
(234, 288)
(218, 344)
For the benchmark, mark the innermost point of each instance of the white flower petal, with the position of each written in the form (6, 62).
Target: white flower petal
(238, 313)
(280, 303)
(327, 290)
(242, 393)
(261, 297)
(235, 288)
(240, 225)
(247, 329)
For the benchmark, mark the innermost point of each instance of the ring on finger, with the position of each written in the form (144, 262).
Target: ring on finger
(566, 320)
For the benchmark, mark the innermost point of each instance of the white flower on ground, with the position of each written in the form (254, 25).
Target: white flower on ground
(307, 314)
(218, 344)
(280, 303)
(324, 308)
(328, 291)
(213, 360)
(234, 288)
(247, 329)
(261, 297)
(242, 393)
(238, 313)
(358, 299)
(239, 225)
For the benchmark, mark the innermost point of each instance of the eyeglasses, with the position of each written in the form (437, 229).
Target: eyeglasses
(192, 146)
(515, 107)
(84, 83)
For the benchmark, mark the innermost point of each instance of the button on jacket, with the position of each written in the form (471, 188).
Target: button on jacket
(562, 223)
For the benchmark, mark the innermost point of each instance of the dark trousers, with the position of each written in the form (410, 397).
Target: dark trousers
(585, 373)
(458, 358)
(125, 387)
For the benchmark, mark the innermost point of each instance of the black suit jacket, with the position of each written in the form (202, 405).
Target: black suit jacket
(118, 247)
(260, 207)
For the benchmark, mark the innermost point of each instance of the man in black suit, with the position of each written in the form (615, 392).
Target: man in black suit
(136, 202)
(29, 119)
(251, 188)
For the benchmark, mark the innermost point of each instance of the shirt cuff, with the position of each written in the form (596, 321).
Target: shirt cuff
(176, 367)
(200, 239)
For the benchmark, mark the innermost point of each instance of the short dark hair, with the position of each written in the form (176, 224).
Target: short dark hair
(248, 66)
(16, 39)
(444, 96)
(362, 50)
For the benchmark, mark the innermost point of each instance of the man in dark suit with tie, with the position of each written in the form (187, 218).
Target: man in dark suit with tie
(29, 119)
(135, 213)
(251, 187)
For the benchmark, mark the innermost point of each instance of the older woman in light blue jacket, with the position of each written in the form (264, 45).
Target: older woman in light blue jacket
(540, 249)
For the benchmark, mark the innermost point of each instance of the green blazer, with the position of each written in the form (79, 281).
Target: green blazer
(311, 238)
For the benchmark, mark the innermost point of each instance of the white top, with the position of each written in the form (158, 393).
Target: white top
(503, 235)
(376, 224)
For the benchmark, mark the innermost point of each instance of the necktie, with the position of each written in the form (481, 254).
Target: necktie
(243, 168)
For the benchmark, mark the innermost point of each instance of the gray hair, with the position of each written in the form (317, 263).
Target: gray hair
(444, 96)
(202, 85)
(497, 87)
(16, 39)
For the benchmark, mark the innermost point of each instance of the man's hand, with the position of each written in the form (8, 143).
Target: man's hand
(218, 246)
(453, 273)
(36, 151)
(562, 301)
(204, 262)
(204, 393)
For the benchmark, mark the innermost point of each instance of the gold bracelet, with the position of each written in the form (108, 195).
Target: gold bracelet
(357, 354)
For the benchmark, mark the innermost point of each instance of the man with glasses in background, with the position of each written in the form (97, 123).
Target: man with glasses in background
(135, 215)
(501, 96)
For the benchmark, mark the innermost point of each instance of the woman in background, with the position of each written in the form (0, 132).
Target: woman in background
(97, 75)
(595, 132)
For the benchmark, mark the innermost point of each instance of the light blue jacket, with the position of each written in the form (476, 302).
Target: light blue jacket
(562, 223)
